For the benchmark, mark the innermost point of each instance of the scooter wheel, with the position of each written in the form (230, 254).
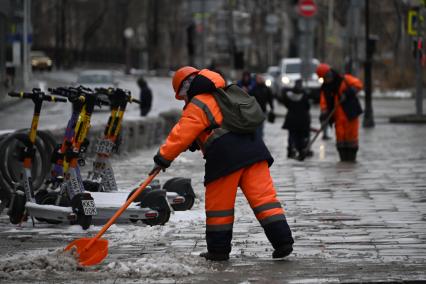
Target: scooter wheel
(161, 206)
(17, 208)
(92, 186)
(39, 196)
(84, 221)
(183, 187)
(77, 207)
(50, 199)
(187, 205)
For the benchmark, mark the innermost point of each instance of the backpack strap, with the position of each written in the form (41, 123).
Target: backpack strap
(205, 108)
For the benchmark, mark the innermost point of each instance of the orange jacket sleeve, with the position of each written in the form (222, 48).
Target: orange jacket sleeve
(353, 82)
(192, 123)
(323, 102)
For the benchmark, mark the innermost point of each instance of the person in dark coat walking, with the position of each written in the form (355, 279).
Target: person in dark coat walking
(264, 97)
(297, 120)
(246, 83)
(145, 96)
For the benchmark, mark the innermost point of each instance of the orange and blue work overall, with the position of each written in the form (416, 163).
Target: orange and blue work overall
(232, 161)
(346, 129)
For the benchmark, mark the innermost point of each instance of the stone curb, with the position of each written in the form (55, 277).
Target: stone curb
(409, 118)
(136, 134)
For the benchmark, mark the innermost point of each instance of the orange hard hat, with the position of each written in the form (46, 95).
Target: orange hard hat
(322, 69)
(180, 76)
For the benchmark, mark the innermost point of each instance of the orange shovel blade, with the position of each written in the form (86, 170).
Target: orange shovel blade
(89, 255)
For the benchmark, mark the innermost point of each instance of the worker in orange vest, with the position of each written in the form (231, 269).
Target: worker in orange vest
(339, 93)
(232, 160)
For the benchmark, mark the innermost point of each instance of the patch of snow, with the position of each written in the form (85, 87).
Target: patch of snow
(157, 265)
(36, 265)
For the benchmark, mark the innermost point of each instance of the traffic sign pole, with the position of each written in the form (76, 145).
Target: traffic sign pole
(307, 9)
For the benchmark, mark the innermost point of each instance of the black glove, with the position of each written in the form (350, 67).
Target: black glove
(160, 163)
(156, 168)
(194, 147)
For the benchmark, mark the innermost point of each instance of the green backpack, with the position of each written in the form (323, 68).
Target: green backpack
(241, 112)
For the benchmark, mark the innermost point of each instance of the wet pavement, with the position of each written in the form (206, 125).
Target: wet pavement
(362, 222)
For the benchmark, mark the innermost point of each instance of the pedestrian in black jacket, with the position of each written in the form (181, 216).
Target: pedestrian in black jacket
(263, 95)
(145, 96)
(297, 120)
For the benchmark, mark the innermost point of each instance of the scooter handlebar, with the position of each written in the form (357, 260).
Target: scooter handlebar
(71, 94)
(118, 91)
(105, 91)
(20, 95)
(133, 100)
(54, 99)
(37, 95)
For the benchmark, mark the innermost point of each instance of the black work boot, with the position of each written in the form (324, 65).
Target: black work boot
(282, 252)
(214, 256)
(291, 153)
(351, 154)
(279, 234)
(342, 153)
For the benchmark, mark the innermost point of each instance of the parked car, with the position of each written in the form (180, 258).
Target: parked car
(93, 79)
(96, 79)
(40, 61)
(290, 71)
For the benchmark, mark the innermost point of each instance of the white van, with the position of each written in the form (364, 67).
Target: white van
(291, 70)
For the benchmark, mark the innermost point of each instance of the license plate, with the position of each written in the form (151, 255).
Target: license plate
(89, 207)
(104, 146)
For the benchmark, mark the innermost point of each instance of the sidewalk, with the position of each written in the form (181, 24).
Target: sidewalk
(363, 222)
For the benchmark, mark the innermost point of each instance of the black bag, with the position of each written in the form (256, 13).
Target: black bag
(351, 105)
(241, 112)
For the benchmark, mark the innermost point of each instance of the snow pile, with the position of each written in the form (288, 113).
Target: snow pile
(156, 266)
(38, 266)
(63, 265)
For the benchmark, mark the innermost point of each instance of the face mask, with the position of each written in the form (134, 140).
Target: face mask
(185, 86)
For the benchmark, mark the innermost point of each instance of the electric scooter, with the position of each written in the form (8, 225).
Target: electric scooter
(105, 202)
(23, 201)
(70, 201)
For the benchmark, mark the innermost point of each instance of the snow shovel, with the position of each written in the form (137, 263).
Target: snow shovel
(302, 155)
(91, 251)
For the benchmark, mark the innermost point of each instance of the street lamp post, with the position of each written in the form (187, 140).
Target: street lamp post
(368, 114)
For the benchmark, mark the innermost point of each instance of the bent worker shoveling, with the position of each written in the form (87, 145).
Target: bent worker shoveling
(91, 251)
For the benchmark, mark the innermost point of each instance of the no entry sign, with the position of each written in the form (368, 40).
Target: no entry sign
(307, 8)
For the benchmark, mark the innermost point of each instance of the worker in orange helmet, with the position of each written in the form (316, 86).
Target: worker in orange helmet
(232, 160)
(339, 92)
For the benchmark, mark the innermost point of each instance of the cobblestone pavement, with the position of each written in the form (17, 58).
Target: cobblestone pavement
(362, 222)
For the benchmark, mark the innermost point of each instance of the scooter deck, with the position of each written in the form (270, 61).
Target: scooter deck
(121, 196)
(107, 203)
(51, 212)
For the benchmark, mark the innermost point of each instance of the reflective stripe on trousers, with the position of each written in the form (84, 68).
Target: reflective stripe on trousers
(256, 184)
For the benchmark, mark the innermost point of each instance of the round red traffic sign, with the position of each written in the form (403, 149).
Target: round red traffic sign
(307, 8)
